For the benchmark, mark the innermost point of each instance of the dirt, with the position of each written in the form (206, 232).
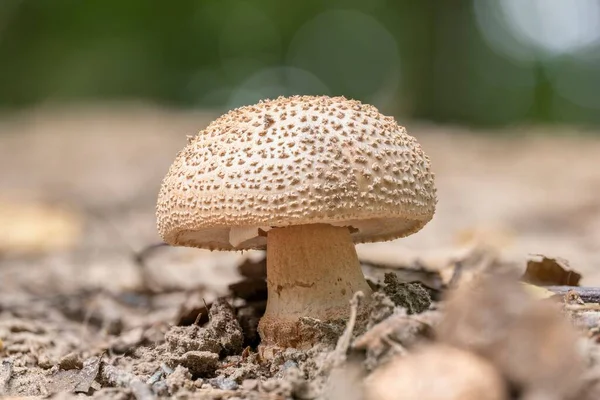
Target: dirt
(413, 297)
(159, 360)
(89, 314)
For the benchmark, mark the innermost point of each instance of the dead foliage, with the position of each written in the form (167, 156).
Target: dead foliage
(461, 321)
(546, 271)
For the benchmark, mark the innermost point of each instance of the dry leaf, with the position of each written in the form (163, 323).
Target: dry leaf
(75, 380)
(436, 372)
(531, 342)
(537, 292)
(397, 333)
(37, 228)
(345, 382)
(550, 271)
(435, 269)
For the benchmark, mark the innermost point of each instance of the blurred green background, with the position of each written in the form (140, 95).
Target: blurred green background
(474, 62)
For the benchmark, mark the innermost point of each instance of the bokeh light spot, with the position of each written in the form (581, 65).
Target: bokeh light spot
(350, 51)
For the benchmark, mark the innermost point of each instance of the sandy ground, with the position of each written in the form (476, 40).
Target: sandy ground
(525, 191)
(529, 191)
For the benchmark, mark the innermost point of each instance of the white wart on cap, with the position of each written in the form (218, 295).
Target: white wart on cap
(296, 161)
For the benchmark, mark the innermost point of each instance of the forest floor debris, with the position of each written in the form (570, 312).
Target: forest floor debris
(500, 336)
(80, 314)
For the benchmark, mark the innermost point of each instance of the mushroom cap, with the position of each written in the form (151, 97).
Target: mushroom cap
(293, 161)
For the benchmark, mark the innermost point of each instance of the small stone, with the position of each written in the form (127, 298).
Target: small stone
(155, 377)
(178, 379)
(250, 384)
(160, 388)
(43, 361)
(182, 339)
(223, 383)
(199, 383)
(289, 364)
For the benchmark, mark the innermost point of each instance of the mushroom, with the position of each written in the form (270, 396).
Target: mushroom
(305, 177)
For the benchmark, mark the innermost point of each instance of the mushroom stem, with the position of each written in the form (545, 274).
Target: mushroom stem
(312, 271)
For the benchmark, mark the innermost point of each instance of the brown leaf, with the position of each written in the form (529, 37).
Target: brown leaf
(75, 380)
(436, 270)
(550, 271)
(530, 341)
(397, 332)
(437, 372)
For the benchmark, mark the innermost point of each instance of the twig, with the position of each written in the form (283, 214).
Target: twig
(207, 310)
(149, 284)
(587, 294)
(343, 343)
(338, 355)
(197, 320)
(141, 256)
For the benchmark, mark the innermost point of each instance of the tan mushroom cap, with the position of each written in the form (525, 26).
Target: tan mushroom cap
(293, 161)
